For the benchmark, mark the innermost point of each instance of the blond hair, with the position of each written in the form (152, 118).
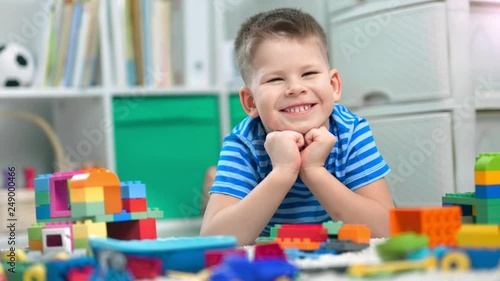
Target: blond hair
(283, 23)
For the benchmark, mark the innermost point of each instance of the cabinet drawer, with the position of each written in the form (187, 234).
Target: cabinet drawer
(392, 56)
(487, 132)
(418, 149)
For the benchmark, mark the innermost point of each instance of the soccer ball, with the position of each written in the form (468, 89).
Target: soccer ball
(17, 66)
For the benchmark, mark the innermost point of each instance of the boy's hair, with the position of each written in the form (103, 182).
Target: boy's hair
(283, 23)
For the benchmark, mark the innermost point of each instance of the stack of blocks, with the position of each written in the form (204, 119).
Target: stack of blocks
(483, 205)
(73, 206)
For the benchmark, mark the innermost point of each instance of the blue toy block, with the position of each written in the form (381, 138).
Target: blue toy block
(483, 258)
(488, 191)
(42, 212)
(57, 270)
(123, 216)
(42, 182)
(133, 189)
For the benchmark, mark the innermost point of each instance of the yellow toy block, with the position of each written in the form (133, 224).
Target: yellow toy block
(479, 235)
(487, 177)
(86, 194)
(84, 230)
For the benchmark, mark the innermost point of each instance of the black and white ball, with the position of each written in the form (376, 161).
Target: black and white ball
(17, 66)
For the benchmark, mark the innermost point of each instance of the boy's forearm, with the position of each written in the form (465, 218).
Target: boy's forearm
(247, 218)
(344, 205)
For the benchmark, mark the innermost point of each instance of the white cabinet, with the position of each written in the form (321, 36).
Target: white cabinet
(424, 68)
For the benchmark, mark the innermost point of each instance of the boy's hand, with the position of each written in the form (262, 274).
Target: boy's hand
(284, 148)
(319, 144)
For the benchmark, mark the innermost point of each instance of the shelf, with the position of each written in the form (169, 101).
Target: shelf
(172, 91)
(394, 109)
(488, 100)
(50, 93)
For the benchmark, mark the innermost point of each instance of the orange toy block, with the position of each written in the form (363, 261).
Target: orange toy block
(35, 245)
(304, 244)
(487, 177)
(358, 233)
(440, 224)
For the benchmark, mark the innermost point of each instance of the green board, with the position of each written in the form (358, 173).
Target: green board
(235, 110)
(167, 143)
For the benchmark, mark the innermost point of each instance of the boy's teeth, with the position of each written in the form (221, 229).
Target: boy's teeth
(301, 108)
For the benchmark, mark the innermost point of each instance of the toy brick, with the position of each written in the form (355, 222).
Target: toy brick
(59, 194)
(86, 194)
(487, 162)
(358, 233)
(104, 218)
(133, 229)
(84, 230)
(135, 205)
(333, 227)
(273, 232)
(42, 212)
(35, 245)
(61, 239)
(133, 189)
(476, 235)
(342, 246)
(265, 240)
(123, 216)
(42, 198)
(487, 177)
(215, 257)
(155, 213)
(315, 232)
(81, 243)
(112, 199)
(466, 198)
(82, 210)
(488, 191)
(35, 231)
(139, 215)
(479, 202)
(42, 182)
(299, 243)
(269, 251)
(468, 220)
(58, 224)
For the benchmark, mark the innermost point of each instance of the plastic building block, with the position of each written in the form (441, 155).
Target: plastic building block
(269, 251)
(88, 209)
(81, 243)
(88, 228)
(215, 257)
(155, 213)
(57, 240)
(314, 232)
(487, 177)
(35, 231)
(104, 218)
(29, 177)
(42, 182)
(142, 268)
(466, 198)
(488, 191)
(342, 246)
(398, 246)
(391, 267)
(479, 236)
(358, 233)
(59, 194)
(123, 216)
(487, 162)
(333, 228)
(304, 244)
(58, 270)
(130, 230)
(273, 232)
(180, 254)
(135, 205)
(35, 245)
(42, 212)
(140, 215)
(83, 273)
(133, 189)
(439, 223)
(42, 198)
(86, 194)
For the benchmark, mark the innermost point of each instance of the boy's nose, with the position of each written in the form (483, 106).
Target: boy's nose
(296, 89)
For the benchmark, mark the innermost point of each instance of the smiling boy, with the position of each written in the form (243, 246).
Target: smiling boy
(299, 157)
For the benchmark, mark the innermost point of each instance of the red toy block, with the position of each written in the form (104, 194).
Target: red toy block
(215, 257)
(269, 251)
(84, 273)
(132, 230)
(29, 177)
(135, 205)
(315, 232)
(144, 267)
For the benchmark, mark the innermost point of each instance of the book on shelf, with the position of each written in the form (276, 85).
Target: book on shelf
(141, 39)
(71, 49)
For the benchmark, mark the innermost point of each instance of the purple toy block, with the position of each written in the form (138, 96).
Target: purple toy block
(59, 194)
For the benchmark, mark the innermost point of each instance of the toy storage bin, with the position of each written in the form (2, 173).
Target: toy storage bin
(397, 54)
(419, 151)
(167, 143)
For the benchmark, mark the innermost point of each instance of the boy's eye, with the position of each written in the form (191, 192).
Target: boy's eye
(309, 73)
(274, 80)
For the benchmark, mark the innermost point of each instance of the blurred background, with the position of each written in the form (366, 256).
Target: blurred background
(148, 89)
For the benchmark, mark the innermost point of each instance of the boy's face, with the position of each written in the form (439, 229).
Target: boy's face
(292, 86)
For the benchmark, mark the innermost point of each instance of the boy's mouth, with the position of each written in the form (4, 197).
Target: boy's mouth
(297, 108)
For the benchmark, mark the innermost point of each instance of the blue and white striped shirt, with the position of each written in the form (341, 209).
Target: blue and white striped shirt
(244, 163)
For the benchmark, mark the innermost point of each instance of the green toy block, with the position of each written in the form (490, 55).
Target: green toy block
(273, 232)
(487, 202)
(35, 231)
(42, 198)
(89, 209)
(264, 240)
(155, 213)
(488, 162)
(104, 218)
(139, 215)
(333, 227)
(80, 243)
(466, 198)
(398, 246)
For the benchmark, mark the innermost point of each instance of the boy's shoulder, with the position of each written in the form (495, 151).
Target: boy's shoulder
(250, 129)
(344, 119)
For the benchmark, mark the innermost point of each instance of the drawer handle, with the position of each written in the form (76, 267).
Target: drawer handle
(376, 98)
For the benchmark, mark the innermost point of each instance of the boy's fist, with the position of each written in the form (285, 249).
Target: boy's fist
(284, 148)
(318, 145)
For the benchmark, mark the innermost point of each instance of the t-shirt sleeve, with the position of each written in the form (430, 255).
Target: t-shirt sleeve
(364, 162)
(236, 170)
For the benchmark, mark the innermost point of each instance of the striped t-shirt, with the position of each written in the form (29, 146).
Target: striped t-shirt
(244, 163)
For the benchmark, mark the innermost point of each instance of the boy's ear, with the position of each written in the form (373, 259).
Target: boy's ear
(247, 102)
(336, 84)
